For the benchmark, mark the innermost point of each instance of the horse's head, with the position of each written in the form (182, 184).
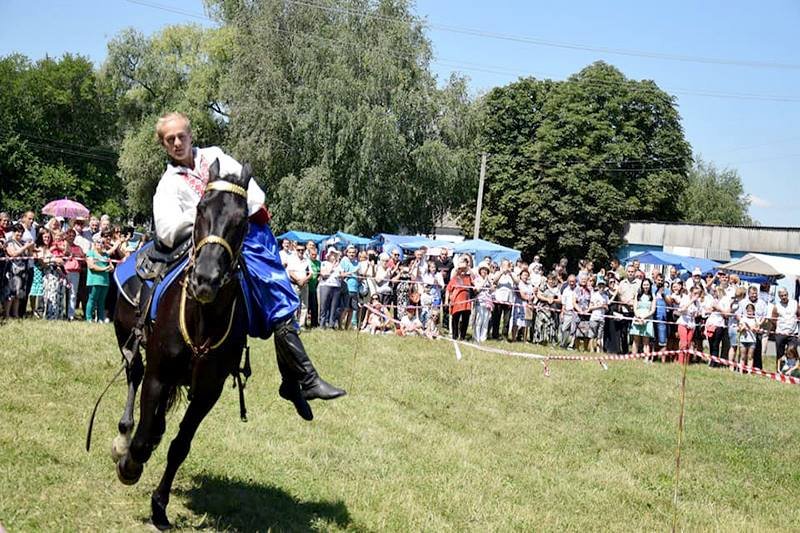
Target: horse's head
(219, 231)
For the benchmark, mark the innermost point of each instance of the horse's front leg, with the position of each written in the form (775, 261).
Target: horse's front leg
(204, 396)
(121, 443)
(152, 423)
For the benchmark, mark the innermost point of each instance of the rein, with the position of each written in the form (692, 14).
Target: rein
(205, 347)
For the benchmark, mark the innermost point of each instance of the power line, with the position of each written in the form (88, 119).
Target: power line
(494, 69)
(491, 69)
(503, 70)
(103, 151)
(560, 44)
(63, 150)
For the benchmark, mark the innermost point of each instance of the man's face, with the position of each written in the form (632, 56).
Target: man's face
(5, 222)
(351, 254)
(27, 219)
(753, 294)
(300, 251)
(443, 253)
(286, 245)
(418, 255)
(784, 296)
(571, 282)
(177, 140)
(673, 272)
(104, 224)
(94, 225)
(631, 272)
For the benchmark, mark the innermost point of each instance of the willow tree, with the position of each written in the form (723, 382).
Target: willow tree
(176, 69)
(336, 108)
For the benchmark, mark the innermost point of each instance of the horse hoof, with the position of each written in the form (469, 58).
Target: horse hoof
(127, 478)
(119, 447)
(159, 515)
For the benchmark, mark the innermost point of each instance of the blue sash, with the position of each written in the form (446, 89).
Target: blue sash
(268, 293)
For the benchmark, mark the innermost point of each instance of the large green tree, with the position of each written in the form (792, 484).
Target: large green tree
(341, 117)
(176, 69)
(57, 123)
(714, 196)
(570, 162)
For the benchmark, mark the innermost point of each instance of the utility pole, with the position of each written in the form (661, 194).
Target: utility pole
(480, 197)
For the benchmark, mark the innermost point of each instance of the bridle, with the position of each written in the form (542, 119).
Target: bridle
(223, 186)
(207, 346)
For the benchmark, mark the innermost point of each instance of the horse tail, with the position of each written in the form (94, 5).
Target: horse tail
(175, 397)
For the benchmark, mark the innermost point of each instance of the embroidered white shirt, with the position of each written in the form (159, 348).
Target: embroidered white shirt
(180, 189)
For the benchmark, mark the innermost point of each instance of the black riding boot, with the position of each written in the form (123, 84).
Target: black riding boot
(300, 379)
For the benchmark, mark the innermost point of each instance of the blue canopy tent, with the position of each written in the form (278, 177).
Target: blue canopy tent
(681, 262)
(341, 239)
(303, 236)
(405, 242)
(480, 249)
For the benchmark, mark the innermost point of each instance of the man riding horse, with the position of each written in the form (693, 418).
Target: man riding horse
(174, 209)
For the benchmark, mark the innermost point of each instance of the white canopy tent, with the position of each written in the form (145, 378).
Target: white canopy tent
(786, 268)
(766, 265)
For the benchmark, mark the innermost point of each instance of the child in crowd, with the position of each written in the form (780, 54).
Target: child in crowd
(432, 327)
(375, 323)
(789, 364)
(747, 337)
(410, 324)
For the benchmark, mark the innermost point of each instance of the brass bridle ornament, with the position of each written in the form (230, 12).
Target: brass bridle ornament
(198, 351)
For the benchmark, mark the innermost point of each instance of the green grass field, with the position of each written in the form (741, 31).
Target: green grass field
(421, 443)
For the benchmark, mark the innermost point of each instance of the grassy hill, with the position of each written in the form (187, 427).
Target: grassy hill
(422, 442)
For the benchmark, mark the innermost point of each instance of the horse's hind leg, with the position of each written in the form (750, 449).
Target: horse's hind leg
(121, 443)
(152, 423)
(203, 399)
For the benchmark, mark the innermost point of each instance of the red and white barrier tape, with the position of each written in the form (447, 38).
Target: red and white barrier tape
(775, 376)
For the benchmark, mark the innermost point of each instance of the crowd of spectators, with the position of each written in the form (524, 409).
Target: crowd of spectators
(616, 309)
(59, 269)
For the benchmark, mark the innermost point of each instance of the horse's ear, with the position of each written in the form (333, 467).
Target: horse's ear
(213, 170)
(247, 172)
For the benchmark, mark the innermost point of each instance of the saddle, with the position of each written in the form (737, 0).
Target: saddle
(156, 259)
(143, 278)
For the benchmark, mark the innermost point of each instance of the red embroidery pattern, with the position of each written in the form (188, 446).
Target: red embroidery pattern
(197, 179)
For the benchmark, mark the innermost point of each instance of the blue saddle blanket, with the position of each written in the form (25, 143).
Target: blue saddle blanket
(127, 269)
(268, 294)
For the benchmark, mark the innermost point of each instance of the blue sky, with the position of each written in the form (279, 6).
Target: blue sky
(757, 135)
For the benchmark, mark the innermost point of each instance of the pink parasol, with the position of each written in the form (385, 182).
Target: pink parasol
(65, 208)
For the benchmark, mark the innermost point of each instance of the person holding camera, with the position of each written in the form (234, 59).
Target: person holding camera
(505, 282)
(97, 277)
(20, 251)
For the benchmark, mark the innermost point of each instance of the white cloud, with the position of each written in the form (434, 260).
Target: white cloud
(757, 201)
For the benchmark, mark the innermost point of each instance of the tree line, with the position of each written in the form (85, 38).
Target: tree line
(347, 128)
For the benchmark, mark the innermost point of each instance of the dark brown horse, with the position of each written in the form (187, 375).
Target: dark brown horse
(195, 341)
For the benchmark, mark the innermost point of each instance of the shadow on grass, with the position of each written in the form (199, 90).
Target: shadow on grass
(236, 505)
